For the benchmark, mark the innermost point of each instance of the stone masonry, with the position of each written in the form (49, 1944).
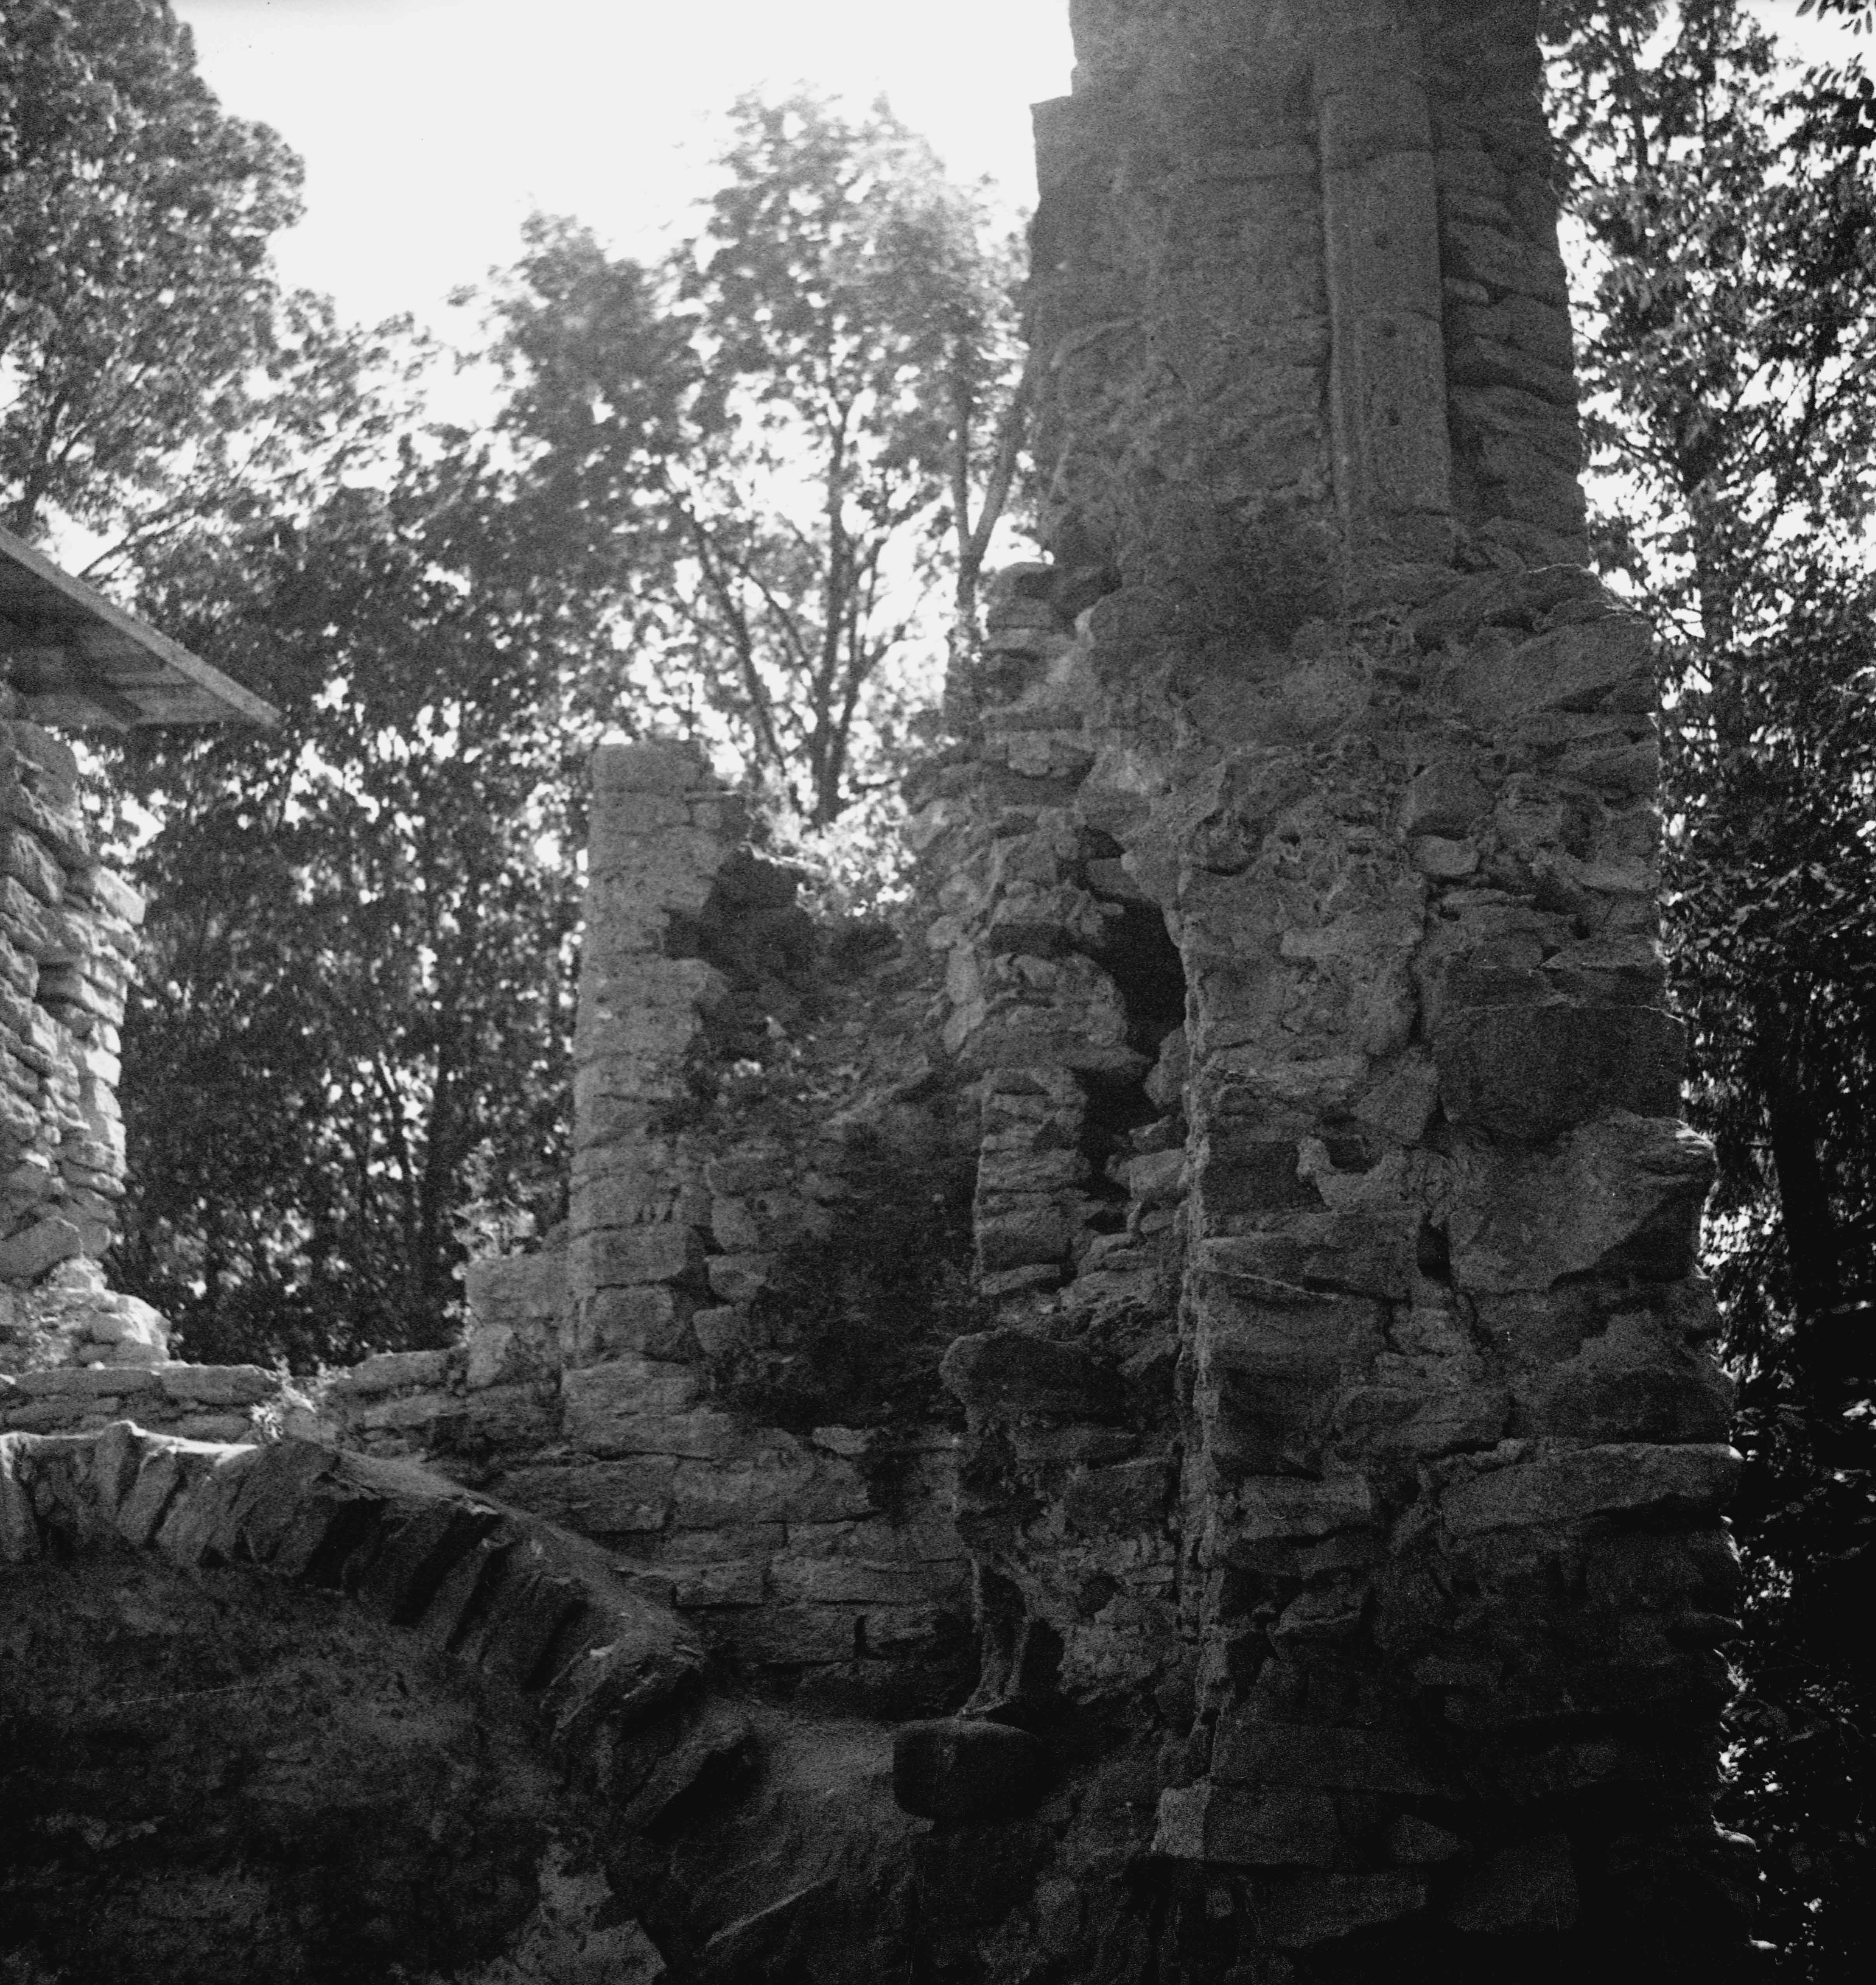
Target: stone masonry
(1366, 1416)
(68, 934)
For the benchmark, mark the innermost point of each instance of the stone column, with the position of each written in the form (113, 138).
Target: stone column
(1452, 1576)
(68, 939)
(661, 828)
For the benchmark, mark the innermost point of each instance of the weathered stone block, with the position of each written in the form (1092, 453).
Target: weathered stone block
(1268, 1509)
(1028, 1233)
(789, 1636)
(621, 1258)
(1445, 798)
(219, 1385)
(597, 1498)
(1695, 1480)
(1315, 1909)
(1236, 1828)
(389, 1372)
(598, 1394)
(1622, 1195)
(738, 1582)
(141, 1509)
(1497, 261)
(1633, 1382)
(1402, 1424)
(739, 1278)
(1106, 1503)
(26, 1255)
(1526, 1889)
(652, 1321)
(1007, 1373)
(778, 1486)
(961, 1771)
(87, 1383)
(863, 1582)
(1326, 1757)
(416, 1410)
(1572, 667)
(1530, 1071)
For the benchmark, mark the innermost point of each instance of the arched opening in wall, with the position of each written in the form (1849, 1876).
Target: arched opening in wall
(1138, 1115)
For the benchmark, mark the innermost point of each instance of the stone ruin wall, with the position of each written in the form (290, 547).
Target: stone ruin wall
(1408, 1512)
(67, 936)
(590, 1387)
(827, 1550)
(1338, 1496)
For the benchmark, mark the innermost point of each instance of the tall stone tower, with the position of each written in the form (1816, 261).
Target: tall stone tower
(1399, 1226)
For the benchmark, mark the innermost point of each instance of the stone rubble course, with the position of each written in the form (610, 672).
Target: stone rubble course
(561, 1658)
(502, 1593)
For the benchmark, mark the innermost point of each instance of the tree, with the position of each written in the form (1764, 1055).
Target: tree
(150, 369)
(1860, 15)
(1729, 334)
(768, 448)
(349, 1045)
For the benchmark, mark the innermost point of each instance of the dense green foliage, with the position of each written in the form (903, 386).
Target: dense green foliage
(772, 451)
(347, 1055)
(1727, 332)
(151, 371)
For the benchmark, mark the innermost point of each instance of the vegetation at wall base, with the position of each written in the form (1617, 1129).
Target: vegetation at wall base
(1726, 329)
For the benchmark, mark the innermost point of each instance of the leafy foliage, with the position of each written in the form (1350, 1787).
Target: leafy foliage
(767, 451)
(150, 369)
(1729, 330)
(860, 1320)
(349, 1045)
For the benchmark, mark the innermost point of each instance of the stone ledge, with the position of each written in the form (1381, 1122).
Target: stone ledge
(505, 1593)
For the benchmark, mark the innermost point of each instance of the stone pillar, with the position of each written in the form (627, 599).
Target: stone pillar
(660, 830)
(1452, 1576)
(68, 937)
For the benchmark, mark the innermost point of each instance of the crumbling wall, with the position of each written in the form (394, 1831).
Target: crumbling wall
(725, 1366)
(281, 1712)
(67, 936)
(701, 1171)
(1399, 1519)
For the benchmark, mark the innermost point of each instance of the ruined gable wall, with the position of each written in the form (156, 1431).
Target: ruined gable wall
(1419, 1545)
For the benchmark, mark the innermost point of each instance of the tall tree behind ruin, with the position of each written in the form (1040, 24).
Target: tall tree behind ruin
(775, 451)
(1730, 330)
(347, 1055)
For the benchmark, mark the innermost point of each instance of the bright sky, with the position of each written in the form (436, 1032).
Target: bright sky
(431, 128)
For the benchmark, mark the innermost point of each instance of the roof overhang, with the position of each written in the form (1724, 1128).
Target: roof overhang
(80, 662)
